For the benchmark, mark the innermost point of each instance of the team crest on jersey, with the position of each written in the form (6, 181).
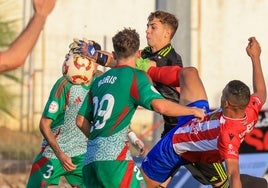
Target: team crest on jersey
(53, 107)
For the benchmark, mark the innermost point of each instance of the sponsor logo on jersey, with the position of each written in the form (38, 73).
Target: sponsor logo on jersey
(231, 150)
(250, 127)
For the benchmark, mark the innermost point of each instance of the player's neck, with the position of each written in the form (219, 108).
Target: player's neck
(158, 47)
(234, 114)
(130, 61)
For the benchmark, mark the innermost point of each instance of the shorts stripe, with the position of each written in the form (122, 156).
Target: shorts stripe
(126, 182)
(225, 185)
(220, 170)
(123, 154)
(38, 164)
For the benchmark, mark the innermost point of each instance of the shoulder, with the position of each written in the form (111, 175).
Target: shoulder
(255, 103)
(254, 99)
(134, 73)
(61, 86)
(62, 80)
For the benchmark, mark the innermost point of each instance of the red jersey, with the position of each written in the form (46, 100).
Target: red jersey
(217, 137)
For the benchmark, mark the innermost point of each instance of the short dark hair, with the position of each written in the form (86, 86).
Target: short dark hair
(237, 94)
(166, 18)
(126, 43)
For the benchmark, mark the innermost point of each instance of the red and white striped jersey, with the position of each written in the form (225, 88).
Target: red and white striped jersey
(217, 137)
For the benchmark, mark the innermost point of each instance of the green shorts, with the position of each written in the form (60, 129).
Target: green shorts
(120, 174)
(45, 172)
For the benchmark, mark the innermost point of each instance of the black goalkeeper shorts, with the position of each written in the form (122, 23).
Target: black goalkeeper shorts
(211, 174)
(207, 174)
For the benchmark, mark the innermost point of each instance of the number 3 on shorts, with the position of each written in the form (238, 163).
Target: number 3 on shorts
(48, 172)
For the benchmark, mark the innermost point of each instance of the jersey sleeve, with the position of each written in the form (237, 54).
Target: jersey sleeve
(167, 75)
(142, 90)
(255, 103)
(228, 145)
(57, 99)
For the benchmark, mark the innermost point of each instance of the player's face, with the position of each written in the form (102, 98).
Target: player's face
(157, 34)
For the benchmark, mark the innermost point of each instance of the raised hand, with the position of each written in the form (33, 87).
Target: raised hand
(253, 48)
(85, 48)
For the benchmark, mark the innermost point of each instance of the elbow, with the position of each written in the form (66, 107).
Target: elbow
(20, 63)
(159, 106)
(161, 110)
(11, 61)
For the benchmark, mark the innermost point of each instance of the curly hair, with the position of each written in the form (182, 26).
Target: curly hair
(126, 43)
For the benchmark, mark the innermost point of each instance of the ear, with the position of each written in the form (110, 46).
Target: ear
(227, 104)
(167, 35)
(139, 53)
(114, 56)
(167, 32)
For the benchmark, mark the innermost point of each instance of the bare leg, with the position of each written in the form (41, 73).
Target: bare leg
(191, 86)
(149, 182)
(165, 184)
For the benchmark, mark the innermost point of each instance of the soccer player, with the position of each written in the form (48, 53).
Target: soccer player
(20, 48)
(219, 135)
(64, 145)
(108, 109)
(161, 28)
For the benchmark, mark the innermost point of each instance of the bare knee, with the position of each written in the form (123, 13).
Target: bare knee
(188, 75)
(189, 72)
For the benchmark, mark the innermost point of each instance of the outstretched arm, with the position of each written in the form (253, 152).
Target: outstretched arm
(168, 75)
(254, 50)
(169, 108)
(18, 51)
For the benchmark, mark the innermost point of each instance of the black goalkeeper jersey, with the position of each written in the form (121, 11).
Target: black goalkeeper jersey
(167, 56)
